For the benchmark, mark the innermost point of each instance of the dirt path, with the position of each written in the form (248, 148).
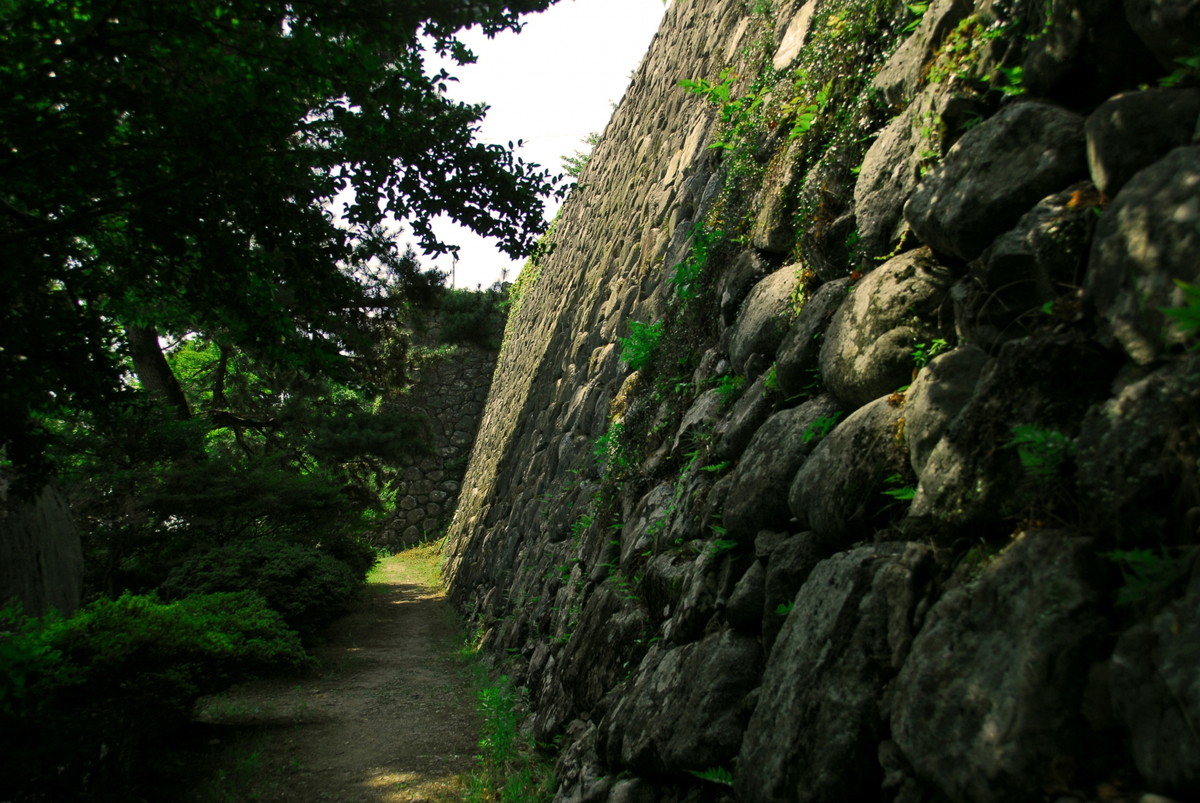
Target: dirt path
(388, 718)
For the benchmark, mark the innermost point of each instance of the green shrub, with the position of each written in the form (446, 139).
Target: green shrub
(687, 274)
(821, 427)
(730, 387)
(638, 348)
(353, 551)
(573, 165)
(717, 775)
(307, 587)
(85, 701)
(472, 317)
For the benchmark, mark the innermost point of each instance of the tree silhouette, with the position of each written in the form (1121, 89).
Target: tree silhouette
(170, 167)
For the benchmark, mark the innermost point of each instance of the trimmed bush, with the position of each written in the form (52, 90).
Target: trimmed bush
(353, 551)
(306, 586)
(85, 701)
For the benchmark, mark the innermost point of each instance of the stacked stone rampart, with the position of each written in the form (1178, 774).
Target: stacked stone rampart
(847, 445)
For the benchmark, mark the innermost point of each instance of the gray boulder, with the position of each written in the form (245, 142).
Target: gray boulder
(897, 160)
(747, 415)
(1156, 693)
(1041, 261)
(699, 422)
(644, 523)
(839, 491)
(699, 601)
(763, 319)
(889, 174)
(774, 229)
(800, 353)
(815, 733)
(1145, 242)
(743, 609)
(664, 581)
(868, 348)
(1134, 130)
(904, 72)
(607, 638)
(789, 566)
(988, 700)
(937, 395)
(755, 501)
(686, 708)
(1068, 53)
(1169, 28)
(828, 190)
(973, 481)
(994, 174)
(738, 280)
(1135, 460)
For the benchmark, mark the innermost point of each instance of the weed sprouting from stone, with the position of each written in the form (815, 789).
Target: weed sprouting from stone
(1146, 573)
(638, 348)
(1043, 452)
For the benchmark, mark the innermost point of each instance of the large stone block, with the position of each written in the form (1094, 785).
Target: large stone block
(1029, 277)
(816, 730)
(936, 396)
(1134, 130)
(868, 348)
(789, 564)
(897, 161)
(756, 499)
(994, 174)
(904, 72)
(1169, 28)
(1146, 241)
(1156, 693)
(839, 491)
(973, 480)
(988, 702)
(1138, 452)
(763, 319)
(686, 707)
(798, 360)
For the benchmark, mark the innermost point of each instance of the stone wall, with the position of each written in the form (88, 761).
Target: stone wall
(448, 395)
(41, 560)
(901, 502)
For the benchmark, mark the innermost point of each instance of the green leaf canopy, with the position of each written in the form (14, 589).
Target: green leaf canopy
(173, 164)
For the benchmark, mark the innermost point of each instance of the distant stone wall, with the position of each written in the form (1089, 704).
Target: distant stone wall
(41, 561)
(449, 393)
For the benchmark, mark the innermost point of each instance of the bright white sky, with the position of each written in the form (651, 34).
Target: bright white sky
(550, 85)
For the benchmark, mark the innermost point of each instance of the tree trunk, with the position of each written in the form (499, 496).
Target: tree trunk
(153, 371)
(219, 376)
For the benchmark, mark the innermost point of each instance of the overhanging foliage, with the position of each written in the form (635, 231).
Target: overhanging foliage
(172, 165)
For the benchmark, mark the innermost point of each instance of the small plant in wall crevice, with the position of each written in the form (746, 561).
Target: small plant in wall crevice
(717, 775)
(898, 491)
(1043, 452)
(638, 349)
(1148, 574)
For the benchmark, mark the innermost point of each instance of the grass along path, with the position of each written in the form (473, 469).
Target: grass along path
(388, 718)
